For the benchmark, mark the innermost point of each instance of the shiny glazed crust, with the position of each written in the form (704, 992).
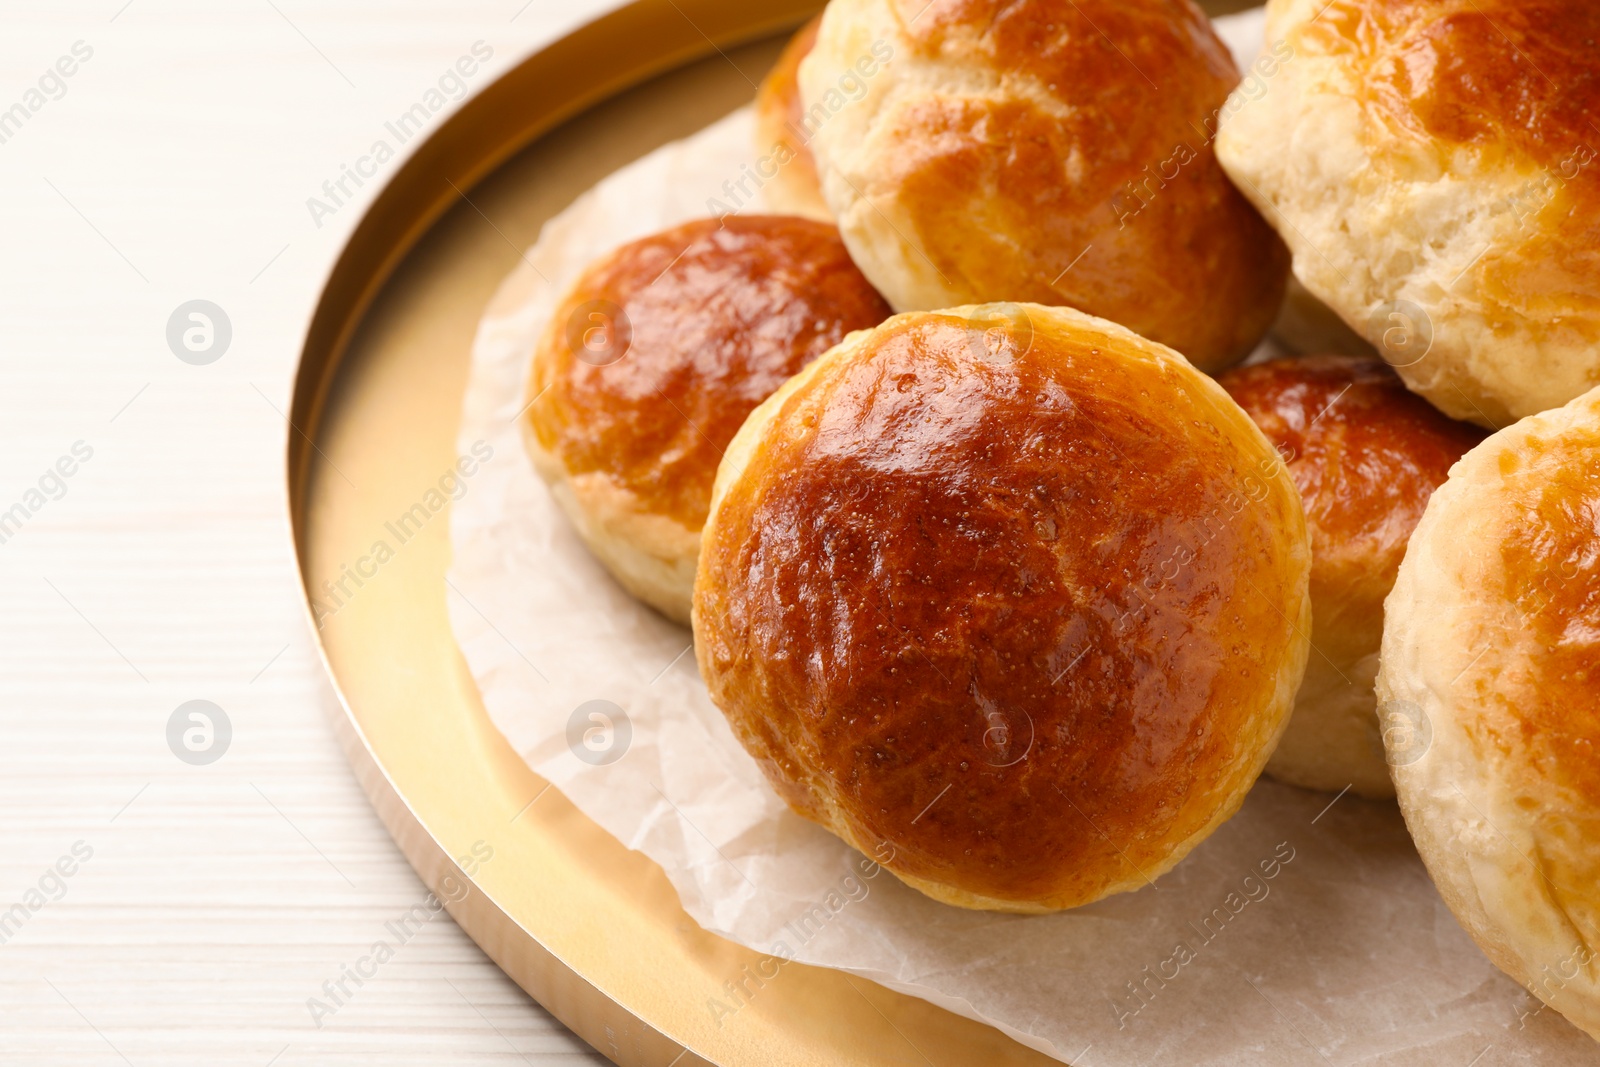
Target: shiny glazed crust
(979, 150)
(781, 138)
(1007, 597)
(1433, 166)
(652, 361)
(1490, 682)
(1366, 456)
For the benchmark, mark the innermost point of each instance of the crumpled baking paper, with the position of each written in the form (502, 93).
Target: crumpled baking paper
(1304, 931)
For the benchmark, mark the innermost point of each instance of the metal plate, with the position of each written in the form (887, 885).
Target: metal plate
(590, 929)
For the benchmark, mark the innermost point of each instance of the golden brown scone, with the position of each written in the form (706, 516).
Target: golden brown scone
(1431, 164)
(653, 360)
(1009, 598)
(781, 137)
(1490, 690)
(1036, 150)
(1366, 455)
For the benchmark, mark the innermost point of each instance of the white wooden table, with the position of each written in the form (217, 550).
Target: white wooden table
(175, 163)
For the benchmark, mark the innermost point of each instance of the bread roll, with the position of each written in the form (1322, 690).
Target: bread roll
(781, 136)
(978, 150)
(1432, 166)
(1009, 598)
(652, 361)
(1490, 689)
(1366, 456)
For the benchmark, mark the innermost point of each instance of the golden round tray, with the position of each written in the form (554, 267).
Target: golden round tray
(590, 929)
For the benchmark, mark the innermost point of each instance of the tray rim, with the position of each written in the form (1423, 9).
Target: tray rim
(466, 149)
(572, 74)
(368, 260)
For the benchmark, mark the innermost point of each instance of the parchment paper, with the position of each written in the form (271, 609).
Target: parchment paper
(1304, 931)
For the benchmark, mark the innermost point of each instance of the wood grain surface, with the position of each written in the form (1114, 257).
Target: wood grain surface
(174, 163)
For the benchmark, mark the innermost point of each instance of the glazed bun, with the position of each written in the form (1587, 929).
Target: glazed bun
(977, 150)
(1429, 164)
(651, 363)
(1491, 699)
(1009, 598)
(1366, 456)
(781, 137)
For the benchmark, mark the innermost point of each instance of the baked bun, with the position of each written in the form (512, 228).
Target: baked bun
(1009, 598)
(1366, 455)
(651, 363)
(1490, 691)
(1428, 162)
(1035, 150)
(781, 137)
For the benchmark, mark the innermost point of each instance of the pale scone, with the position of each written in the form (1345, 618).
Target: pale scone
(1432, 165)
(1490, 694)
